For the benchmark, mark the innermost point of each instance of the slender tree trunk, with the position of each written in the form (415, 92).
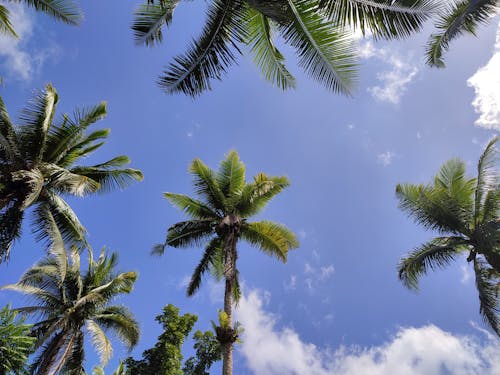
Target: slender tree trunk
(227, 350)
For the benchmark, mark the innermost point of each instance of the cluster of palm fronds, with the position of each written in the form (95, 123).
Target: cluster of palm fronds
(320, 31)
(466, 211)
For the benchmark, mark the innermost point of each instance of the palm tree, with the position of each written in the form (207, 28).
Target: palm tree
(319, 30)
(459, 17)
(120, 370)
(62, 10)
(219, 219)
(16, 343)
(465, 211)
(67, 301)
(37, 167)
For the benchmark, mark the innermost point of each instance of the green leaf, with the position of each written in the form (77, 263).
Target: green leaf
(325, 50)
(149, 20)
(231, 175)
(266, 55)
(487, 286)
(208, 57)
(62, 10)
(5, 24)
(194, 208)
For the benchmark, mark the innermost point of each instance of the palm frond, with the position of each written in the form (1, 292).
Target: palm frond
(85, 146)
(101, 342)
(206, 185)
(11, 218)
(211, 250)
(383, 18)
(62, 10)
(50, 208)
(487, 179)
(188, 233)
(457, 19)
(266, 56)
(256, 195)
(208, 57)
(437, 253)
(67, 181)
(8, 132)
(192, 207)
(5, 24)
(121, 321)
(231, 175)
(149, 20)
(272, 238)
(33, 180)
(70, 132)
(325, 50)
(37, 117)
(487, 286)
(74, 359)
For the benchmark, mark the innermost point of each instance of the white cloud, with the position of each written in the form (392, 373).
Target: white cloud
(327, 272)
(428, 350)
(385, 158)
(394, 82)
(308, 268)
(486, 84)
(184, 282)
(291, 284)
(17, 61)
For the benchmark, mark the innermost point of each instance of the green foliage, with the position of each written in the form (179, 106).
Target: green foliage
(166, 356)
(16, 343)
(37, 168)
(67, 302)
(466, 211)
(456, 18)
(319, 30)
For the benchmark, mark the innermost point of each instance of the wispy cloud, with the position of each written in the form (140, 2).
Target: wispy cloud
(18, 59)
(270, 350)
(394, 81)
(291, 284)
(465, 274)
(385, 158)
(486, 84)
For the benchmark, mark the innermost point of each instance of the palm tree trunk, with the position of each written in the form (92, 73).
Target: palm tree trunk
(227, 349)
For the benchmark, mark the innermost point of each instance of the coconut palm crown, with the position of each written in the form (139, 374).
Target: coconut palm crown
(68, 302)
(38, 166)
(458, 17)
(320, 31)
(61, 10)
(466, 212)
(219, 219)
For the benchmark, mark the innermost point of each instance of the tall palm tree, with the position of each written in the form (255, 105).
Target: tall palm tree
(319, 30)
(459, 17)
(466, 212)
(62, 10)
(220, 219)
(38, 165)
(68, 302)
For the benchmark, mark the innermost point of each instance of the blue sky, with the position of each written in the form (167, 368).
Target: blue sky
(337, 306)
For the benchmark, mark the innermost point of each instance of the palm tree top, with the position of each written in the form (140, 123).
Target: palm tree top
(39, 164)
(465, 211)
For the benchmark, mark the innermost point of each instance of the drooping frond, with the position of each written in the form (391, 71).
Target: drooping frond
(256, 195)
(213, 247)
(206, 185)
(67, 181)
(188, 233)
(231, 175)
(266, 56)
(7, 132)
(54, 208)
(437, 253)
(457, 19)
(272, 238)
(325, 50)
(208, 57)
(382, 18)
(62, 10)
(487, 182)
(37, 118)
(119, 320)
(192, 207)
(487, 283)
(149, 20)
(101, 342)
(33, 181)
(5, 24)
(11, 218)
